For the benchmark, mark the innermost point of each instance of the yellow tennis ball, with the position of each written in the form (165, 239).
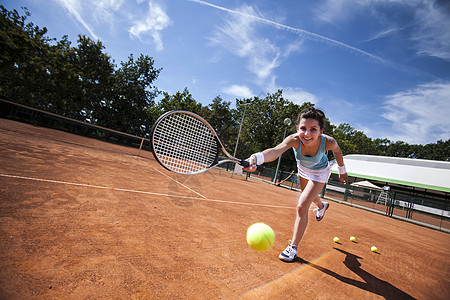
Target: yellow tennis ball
(374, 249)
(260, 237)
(336, 239)
(352, 239)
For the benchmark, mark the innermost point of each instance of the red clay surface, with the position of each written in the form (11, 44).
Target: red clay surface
(81, 218)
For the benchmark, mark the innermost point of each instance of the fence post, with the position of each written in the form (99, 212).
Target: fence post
(346, 193)
(411, 208)
(140, 147)
(390, 204)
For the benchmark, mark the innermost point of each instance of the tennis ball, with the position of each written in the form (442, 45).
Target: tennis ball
(352, 239)
(374, 249)
(336, 239)
(260, 237)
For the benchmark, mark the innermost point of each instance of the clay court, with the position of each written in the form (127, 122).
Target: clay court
(82, 218)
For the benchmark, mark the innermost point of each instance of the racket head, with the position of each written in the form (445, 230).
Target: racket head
(185, 143)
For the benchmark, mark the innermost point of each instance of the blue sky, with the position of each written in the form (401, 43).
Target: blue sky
(383, 66)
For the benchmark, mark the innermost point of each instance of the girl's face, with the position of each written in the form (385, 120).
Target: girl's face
(309, 131)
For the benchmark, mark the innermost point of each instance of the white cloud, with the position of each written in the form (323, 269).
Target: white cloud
(249, 15)
(384, 33)
(74, 7)
(298, 96)
(335, 11)
(153, 23)
(112, 12)
(295, 46)
(239, 91)
(421, 115)
(430, 21)
(433, 35)
(241, 36)
(238, 35)
(105, 10)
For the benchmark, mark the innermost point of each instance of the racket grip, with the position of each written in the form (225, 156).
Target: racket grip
(245, 164)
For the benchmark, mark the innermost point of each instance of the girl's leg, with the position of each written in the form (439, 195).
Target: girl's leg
(316, 200)
(310, 191)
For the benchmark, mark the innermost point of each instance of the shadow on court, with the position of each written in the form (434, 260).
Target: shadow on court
(370, 282)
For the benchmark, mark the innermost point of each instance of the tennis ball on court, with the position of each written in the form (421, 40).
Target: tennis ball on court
(374, 249)
(260, 237)
(352, 239)
(336, 239)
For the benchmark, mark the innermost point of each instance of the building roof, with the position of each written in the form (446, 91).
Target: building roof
(367, 184)
(419, 173)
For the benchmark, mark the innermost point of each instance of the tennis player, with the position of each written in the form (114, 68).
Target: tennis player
(310, 146)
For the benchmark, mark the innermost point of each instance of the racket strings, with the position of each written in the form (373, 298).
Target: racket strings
(184, 143)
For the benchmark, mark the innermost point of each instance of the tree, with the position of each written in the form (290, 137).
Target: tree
(23, 68)
(381, 145)
(179, 101)
(263, 126)
(437, 151)
(130, 104)
(79, 82)
(400, 149)
(94, 71)
(353, 141)
(220, 116)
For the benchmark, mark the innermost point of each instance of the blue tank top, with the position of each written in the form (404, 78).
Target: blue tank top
(316, 162)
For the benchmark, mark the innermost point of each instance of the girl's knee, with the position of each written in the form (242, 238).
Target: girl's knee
(302, 208)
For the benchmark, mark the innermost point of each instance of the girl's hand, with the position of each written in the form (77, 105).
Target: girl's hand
(252, 164)
(343, 178)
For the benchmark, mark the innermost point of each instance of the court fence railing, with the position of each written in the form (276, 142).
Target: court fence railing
(19, 112)
(421, 209)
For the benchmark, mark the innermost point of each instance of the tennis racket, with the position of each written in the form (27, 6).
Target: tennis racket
(185, 143)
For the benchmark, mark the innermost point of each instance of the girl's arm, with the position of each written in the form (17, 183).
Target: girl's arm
(272, 154)
(333, 145)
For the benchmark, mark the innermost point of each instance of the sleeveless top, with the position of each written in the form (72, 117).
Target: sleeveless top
(316, 162)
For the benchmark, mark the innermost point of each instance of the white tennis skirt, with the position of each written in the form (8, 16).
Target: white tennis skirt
(321, 175)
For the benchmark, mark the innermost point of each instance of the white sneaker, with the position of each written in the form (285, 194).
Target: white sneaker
(321, 211)
(289, 254)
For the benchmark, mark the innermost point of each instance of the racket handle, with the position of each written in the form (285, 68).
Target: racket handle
(245, 164)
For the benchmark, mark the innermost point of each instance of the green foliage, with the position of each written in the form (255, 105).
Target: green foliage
(220, 116)
(179, 101)
(78, 82)
(130, 105)
(438, 151)
(263, 124)
(353, 141)
(24, 49)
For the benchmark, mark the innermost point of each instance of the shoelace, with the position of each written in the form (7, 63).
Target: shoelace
(289, 249)
(319, 209)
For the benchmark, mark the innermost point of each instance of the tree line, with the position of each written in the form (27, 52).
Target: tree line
(83, 82)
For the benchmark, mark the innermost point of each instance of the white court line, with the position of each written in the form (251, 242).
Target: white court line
(179, 183)
(139, 192)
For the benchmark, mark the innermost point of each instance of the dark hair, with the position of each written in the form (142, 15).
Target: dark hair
(312, 113)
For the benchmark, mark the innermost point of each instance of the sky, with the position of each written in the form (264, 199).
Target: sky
(382, 66)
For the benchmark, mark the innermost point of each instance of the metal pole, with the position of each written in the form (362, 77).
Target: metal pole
(240, 127)
(287, 122)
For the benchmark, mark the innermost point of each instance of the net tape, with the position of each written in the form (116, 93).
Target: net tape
(184, 143)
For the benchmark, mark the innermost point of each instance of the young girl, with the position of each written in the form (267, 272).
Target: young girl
(310, 146)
